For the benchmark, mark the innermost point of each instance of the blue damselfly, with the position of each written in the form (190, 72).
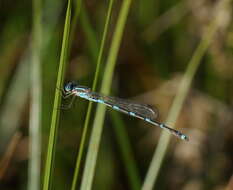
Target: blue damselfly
(141, 111)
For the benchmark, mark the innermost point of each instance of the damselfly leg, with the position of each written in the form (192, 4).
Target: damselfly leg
(70, 104)
(66, 95)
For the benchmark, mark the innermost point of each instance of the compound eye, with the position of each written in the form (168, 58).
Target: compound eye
(69, 86)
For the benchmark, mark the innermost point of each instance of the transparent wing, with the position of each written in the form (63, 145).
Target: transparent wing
(144, 110)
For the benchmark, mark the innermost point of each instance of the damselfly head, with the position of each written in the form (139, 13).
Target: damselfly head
(69, 86)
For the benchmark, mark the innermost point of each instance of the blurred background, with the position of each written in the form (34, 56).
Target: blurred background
(159, 40)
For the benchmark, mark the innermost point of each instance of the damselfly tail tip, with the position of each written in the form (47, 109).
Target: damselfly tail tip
(184, 137)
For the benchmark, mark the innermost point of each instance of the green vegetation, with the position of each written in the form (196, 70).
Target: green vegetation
(174, 55)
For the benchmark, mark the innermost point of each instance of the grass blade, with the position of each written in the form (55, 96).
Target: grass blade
(57, 100)
(126, 151)
(178, 103)
(87, 119)
(93, 148)
(35, 113)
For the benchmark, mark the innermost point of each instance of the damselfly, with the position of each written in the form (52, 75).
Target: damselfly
(141, 111)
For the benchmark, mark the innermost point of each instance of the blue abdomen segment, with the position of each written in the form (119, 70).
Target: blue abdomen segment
(140, 111)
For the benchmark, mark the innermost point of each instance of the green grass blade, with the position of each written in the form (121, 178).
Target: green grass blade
(78, 5)
(90, 34)
(36, 100)
(87, 119)
(93, 148)
(184, 87)
(126, 151)
(57, 100)
(165, 21)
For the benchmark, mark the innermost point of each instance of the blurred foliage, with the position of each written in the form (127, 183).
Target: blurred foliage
(159, 40)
